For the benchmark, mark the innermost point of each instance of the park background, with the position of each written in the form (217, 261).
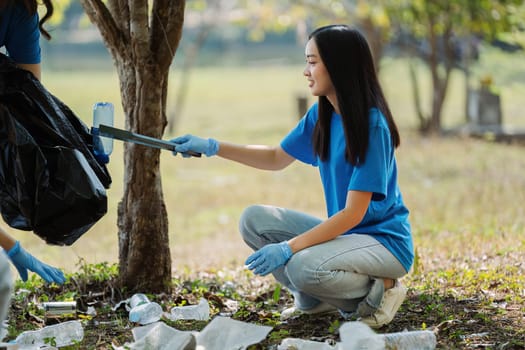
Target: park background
(465, 194)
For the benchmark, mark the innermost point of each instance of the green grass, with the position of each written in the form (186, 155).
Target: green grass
(465, 196)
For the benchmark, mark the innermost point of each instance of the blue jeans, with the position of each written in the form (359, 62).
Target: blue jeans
(340, 272)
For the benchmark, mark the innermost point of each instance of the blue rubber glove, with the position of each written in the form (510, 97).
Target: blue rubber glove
(24, 261)
(98, 147)
(102, 158)
(187, 143)
(269, 258)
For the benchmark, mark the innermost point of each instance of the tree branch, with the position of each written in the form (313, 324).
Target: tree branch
(120, 11)
(139, 29)
(166, 30)
(99, 14)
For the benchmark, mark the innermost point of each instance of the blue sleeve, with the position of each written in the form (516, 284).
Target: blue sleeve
(372, 175)
(23, 38)
(298, 142)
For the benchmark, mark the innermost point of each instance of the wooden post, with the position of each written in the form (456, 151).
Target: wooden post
(302, 105)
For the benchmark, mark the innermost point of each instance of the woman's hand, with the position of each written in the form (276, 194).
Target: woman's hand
(269, 258)
(190, 143)
(24, 261)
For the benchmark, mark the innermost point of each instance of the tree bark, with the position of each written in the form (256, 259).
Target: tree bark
(441, 78)
(440, 70)
(415, 93)
(375, 37)
(144, 255)
(143, 44)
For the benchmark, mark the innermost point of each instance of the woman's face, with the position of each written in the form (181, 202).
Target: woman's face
(315, 72)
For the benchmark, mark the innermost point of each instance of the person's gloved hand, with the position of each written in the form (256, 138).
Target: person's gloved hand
(269, 257)
(187, 143)
(102, 158)
(98, 147)
(24, 261)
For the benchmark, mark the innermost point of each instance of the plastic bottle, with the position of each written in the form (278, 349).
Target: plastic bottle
(200, 311)
(54, 308)
(142, 310)
(102, 114)
(302, 344)
(57, 335)
(357, 335)
(422, 340)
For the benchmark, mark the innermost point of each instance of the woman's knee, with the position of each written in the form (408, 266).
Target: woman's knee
(311, 274)
(248, 219)
(252, 224)
(300, 271)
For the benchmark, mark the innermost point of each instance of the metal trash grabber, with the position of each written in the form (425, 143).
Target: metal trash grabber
(128, 136)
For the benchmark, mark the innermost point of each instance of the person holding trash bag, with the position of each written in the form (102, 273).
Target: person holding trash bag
(20, 30)
(352, 260)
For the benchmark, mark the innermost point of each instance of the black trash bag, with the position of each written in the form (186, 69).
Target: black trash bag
(50, 181)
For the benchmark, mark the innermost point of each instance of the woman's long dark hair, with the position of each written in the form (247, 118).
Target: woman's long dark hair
(348, 60)
(32, 7)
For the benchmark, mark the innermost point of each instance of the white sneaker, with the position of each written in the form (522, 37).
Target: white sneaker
(322, 308)
(392, 300)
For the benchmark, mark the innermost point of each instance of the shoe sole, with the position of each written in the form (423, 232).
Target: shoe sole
(372, 322)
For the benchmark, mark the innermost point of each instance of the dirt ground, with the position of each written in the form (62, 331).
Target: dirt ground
(478, 320)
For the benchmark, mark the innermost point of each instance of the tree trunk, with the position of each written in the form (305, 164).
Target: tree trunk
(144, 255)
(438, 100)
(142, 41)
(412, 66)
(440, 78)
(376, 40)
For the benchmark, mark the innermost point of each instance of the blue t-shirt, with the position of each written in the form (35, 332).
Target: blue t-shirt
(387, 217)
(19, 34)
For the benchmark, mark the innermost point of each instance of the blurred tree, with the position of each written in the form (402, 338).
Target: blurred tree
(438, 28)
(60, 7)
(205, 15)
(280, 15)
(260, 17)
(373, 20)
(142, 37)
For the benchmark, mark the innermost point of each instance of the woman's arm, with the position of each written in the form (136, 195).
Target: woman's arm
(256, 156)
(33, 68)
(356, 205)
(24, 261)
(6, 241)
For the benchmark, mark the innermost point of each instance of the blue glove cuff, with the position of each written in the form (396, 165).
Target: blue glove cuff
(287, 251)
(213, 147)
(14, 250)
